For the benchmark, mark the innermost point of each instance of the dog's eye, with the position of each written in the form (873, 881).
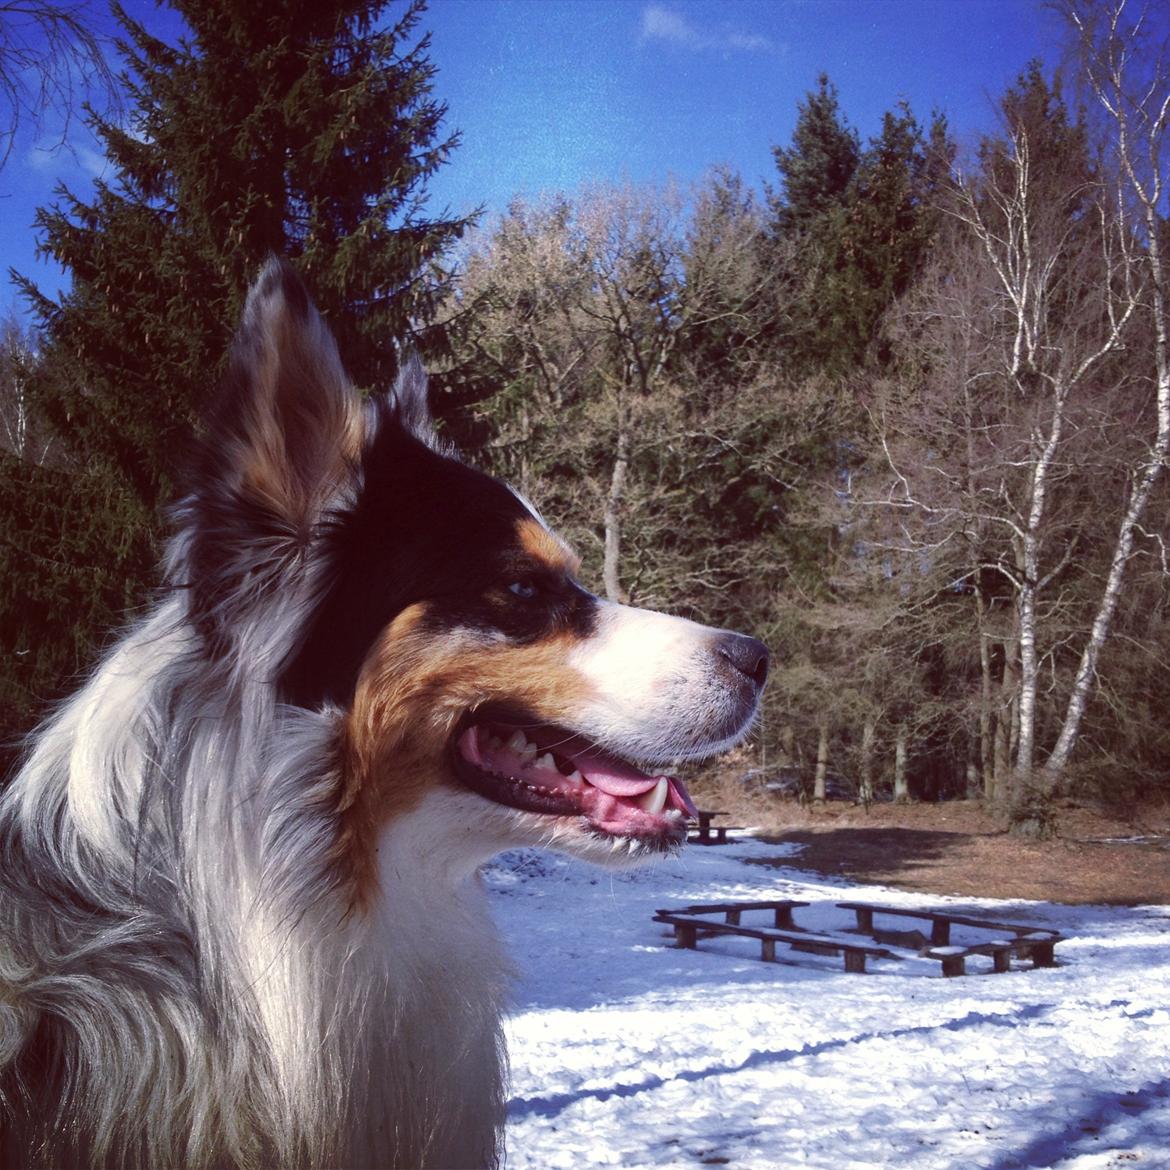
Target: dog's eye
(524, 588)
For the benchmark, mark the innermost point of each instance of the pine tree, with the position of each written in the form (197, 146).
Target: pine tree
(1060, 163)
(817, 169)
(295, 127)
(861, 221)
(892, 216)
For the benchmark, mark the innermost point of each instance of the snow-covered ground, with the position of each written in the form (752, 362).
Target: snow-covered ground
(628, 1052)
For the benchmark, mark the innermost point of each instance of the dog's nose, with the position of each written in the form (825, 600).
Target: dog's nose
(747, 655)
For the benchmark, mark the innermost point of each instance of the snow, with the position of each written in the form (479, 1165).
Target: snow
(629, 1052)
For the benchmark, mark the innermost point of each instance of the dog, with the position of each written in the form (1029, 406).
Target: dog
(240, 918)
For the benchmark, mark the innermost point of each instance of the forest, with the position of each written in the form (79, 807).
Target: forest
(903, 411)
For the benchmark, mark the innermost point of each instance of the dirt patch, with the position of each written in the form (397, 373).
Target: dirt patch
(958, 847)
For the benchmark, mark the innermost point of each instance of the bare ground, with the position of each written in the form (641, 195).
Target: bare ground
(1100, 856)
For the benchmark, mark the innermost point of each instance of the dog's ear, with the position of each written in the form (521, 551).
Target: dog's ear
(278, 449)
(289, 421)
(409, 402)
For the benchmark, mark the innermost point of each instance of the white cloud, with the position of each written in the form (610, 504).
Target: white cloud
(660, 24)
(66, 158)
(665, 26)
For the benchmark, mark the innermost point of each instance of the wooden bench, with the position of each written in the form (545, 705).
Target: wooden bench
(733, 911)
(1027, 942)
(954, 959)
(689, 928)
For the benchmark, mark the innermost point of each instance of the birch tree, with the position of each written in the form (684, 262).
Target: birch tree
(1058, 332)
(22, 430)
(1019, 334)
(1125, 56)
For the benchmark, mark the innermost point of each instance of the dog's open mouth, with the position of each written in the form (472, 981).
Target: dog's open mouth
(547, 770)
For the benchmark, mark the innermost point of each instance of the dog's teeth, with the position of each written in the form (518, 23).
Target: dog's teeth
(655, 800)
(545, 761)
(575, 777)
(519, 741)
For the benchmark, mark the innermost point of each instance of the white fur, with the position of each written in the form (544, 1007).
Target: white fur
(170, 900)
(656, 691)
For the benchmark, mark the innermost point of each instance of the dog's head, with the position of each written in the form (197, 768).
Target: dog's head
(339, 550)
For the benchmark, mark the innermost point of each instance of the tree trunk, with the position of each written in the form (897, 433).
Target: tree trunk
(1131, 521)
(1005, 720)
(822, 762)
(611, 568)
(525, 471)
(986, 758)
(901, 788)
(868, 731)
(789, 749)
(1026, 700)
(1029, 585)
(975, 784)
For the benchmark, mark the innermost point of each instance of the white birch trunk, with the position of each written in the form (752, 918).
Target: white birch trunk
(1140, 111)
(901, 787)
(1030, 539)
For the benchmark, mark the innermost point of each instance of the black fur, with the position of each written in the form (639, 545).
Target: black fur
(425, 528)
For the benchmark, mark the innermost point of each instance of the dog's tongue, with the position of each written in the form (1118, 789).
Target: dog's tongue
(520, 758)
(619, 779)
(612, 775)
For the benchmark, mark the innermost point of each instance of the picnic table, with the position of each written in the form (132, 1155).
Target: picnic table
(721, 919)
(691, 924)
(1025, 942)
(708, 834)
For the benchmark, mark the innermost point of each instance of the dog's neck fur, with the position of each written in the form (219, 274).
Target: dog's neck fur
(289, 1029)
(447, 976)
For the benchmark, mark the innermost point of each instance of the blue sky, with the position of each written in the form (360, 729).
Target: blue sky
(551, 94)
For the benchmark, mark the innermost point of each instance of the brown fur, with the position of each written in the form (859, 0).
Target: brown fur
(547, 548)
(415, 687)
(305, 422)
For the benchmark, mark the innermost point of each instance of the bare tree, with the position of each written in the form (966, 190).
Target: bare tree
(531, 336)
(1127, 69)
(21, 432)
(51, 57)
(1058, 330)
(591, 308)
(1026, 435)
